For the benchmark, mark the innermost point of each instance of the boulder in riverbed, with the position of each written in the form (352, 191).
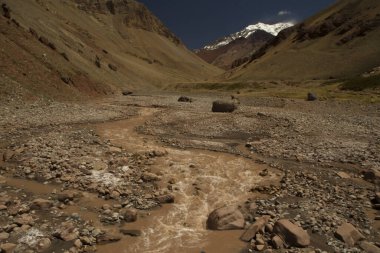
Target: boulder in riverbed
(225, 218)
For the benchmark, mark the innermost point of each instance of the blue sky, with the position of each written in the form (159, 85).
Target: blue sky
(199, 22)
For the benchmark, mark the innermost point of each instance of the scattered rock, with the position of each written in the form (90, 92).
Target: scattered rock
(41, 204)
(348, 234)
(251, 232)
(6, 11)
(43, 244)
(67, 231)
(372, 175)
(291, 233)
(225, 218)
(369, 247)
(25, 219)
(8, 155)
(4, 236)
(343, 175)
(108, 237)
(130, 232)
(68, 195)
(8, 247)
(127, 93)
(112, 67)
(97, 62)
(185, 99)
(223, 106)
(165, 199)
(311, 97)
(277, 242)
(129, 215)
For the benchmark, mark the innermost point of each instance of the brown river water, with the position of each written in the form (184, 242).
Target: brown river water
(221, 179)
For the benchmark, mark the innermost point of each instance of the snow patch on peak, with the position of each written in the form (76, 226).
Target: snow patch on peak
(273, 29)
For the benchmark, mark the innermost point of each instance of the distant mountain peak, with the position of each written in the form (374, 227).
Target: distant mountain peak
(273, 29)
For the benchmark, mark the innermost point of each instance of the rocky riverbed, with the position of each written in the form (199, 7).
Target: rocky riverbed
(143, 173)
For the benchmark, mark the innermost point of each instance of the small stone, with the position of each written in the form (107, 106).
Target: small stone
(165, 199)
(8, 247)
(78, 243)
(108, 237)
(277, 242)
(41, 204)
(129, 215)
(43, 244)
(4, 236)
(343, 175)
(260, 247)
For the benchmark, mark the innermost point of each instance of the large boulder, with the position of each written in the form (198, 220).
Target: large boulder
(292, 234)
(251, 232)
(223, 106)
(348, 234)
(225, 218)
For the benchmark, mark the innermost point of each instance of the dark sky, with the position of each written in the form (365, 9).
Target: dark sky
(199, 22)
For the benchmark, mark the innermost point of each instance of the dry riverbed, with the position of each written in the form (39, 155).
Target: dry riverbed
(143, 173)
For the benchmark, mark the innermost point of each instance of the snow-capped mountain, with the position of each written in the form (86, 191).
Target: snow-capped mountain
(273, 29)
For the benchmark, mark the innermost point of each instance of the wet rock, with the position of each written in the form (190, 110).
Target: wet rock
(292, 234)
(129, 215)
(223, 106)
(251, 232)
(277, 242)
(311, 97)
(165, 199)
(225, 218)
(348, 234)
(68, 195)
(8, 247)
(185, 99)
(108, 237)
(41, 204)
(67, 231)
(130, 232)
(369, 247)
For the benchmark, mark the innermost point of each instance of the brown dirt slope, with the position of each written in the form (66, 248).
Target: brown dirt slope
(340, 42)
(57, 48)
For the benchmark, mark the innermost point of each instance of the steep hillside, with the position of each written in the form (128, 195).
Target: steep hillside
(228, 51)
(339, 42)
(57, 48)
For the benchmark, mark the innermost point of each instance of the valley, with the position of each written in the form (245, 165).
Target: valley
(116, 137)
